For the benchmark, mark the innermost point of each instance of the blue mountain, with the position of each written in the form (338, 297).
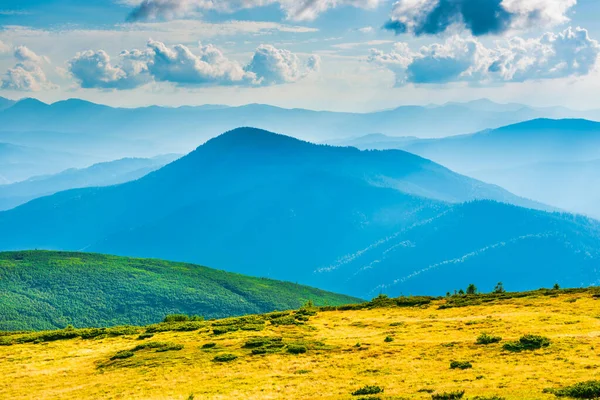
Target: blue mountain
(269, 205)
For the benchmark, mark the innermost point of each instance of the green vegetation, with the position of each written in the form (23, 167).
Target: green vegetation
(448, 396)
(582, 390)
(366, 390)
(43, 290)
(225, 357)
(527, 342)
(486, 339)
(460, 365)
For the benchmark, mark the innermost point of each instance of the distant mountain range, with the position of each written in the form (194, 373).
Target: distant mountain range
(50, 290)
(269, 205)
(551, 161)
(103, 174)
(150, 130)
(21, 162)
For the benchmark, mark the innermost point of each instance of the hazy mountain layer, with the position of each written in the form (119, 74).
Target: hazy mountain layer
(103, 174)
(269, 205)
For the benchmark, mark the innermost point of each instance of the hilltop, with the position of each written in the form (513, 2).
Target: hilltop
(536, 345)
(49, 290)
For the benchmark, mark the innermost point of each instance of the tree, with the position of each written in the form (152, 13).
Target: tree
(461, 292)
(556, 286)
(471, 289)
(499, 288)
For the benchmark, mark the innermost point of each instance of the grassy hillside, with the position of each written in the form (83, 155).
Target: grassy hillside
(408, 348)
(49, 290)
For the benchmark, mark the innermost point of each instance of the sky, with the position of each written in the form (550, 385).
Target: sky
(345, 55)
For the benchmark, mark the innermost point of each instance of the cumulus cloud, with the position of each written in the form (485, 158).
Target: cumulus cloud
(179, 65)
(27, 74)
(298, 10)
(480, 17)
(568, 53)
(93, 69)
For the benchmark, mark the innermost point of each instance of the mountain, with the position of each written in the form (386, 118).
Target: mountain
(102, 174)
(573, 186)
(534, 141)
(482, 242)
(49, 290)
(21, 162)
(5, 103)
(263, 204)
(168, 129)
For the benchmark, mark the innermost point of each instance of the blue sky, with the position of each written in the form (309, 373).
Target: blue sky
(328, 54)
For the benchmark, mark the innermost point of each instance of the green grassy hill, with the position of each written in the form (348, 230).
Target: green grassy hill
(47, 290)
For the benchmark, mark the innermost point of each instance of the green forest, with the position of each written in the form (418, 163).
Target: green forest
(48, 290)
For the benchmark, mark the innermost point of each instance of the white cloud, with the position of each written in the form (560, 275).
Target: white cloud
(297, 10)
(366, 29)
(27, 74)
(182, 67)
(569, 53)
(179, 65)
(93, 69)
(4, 48)
(421, 17)
(352, 45)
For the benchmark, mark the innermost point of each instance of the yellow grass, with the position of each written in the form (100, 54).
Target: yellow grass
(418, 358)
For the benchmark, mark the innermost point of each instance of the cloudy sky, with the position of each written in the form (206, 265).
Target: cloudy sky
(355, 55)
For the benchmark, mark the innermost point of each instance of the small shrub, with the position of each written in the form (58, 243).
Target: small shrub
(209, 345)
(225, 357)
(448, 395)
(181, 318)
(170, 347)
(527, 342)
(581, 390)
(296, 349)
(366, 390)
(261, 342)
(486, 339)
(487, 398)
(122, 354)
(145, 336)
(388, 339)
(460, 365)
(287, 320)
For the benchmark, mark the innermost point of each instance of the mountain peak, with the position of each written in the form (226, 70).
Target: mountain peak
(246, 137)
(28, 104)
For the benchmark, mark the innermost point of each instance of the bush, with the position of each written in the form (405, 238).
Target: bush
(487, 398)
(388, 339)
(365, 390)
(209, 345)
(261, 342)
(485, 339)
(527, 342)
(448, 396)
(287, 320)
(145, 336)
(225, 357)
(582, 390)
(122, 354)
(460, 365)
(181, 318)
(296, 349)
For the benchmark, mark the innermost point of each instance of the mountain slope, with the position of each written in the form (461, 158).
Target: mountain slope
(21, 162)
(102, 174)
(540, 140)
(262, 204)
(46, 290)
(573, 186)
(482, 242)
